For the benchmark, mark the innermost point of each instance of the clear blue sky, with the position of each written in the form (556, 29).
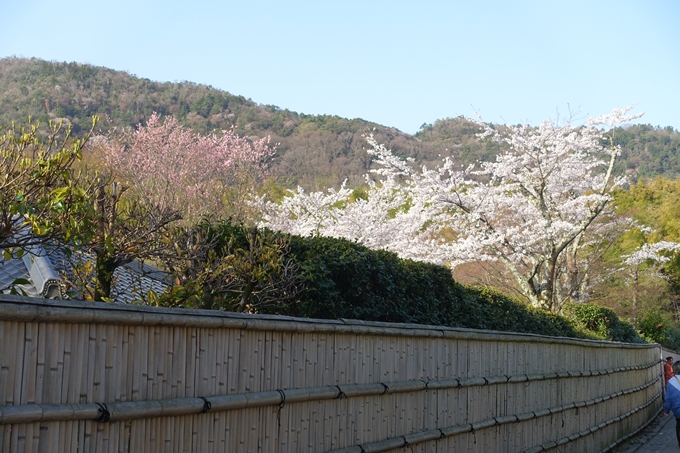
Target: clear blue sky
(396, 63)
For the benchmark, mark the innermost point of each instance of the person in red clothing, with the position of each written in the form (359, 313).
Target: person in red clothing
(668, 369)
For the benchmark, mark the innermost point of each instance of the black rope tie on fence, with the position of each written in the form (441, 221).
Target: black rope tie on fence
(474, 434)
(441, 434)
(427, 384)
(387, 389)
(362, 449)
(104, 414)
(406, 444)
(281, 404)
(486, 381)
(206, 405)
(507, 378)
(340, 393)
(517, 420)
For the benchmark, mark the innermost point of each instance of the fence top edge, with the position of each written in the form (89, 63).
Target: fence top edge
(30, 309)
(665, 351)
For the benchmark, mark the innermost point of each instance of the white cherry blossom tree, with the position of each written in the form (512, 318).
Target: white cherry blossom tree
(535, 201)
(647, 259)
(384, 215)
(531, 210)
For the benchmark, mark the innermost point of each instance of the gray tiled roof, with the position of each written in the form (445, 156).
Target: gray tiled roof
(42, 267)
(13, 269)
(36, 267)
(136, 277)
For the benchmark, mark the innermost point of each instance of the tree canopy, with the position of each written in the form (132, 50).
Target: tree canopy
(531, 209)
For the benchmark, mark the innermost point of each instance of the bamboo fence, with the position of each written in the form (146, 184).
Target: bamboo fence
(94, 377)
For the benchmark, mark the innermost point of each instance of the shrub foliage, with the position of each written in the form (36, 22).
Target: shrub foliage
(337, 278)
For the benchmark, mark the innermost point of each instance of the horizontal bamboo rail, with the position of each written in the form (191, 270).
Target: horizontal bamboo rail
(413, 439)
(591, 430)
(632, 434)
(134, 410)
(441, 433)
(77, 376)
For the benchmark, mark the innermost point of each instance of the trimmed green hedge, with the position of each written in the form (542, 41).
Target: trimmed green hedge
(343, 279)
(602, 321)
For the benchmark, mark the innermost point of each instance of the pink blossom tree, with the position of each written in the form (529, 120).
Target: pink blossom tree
(199, 176)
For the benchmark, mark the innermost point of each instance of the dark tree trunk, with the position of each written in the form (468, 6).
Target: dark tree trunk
(105, 268)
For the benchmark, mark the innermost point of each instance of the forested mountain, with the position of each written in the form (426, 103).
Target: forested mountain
(649, 151)
(314, 151)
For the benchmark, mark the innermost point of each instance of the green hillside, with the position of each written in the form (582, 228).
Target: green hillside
(315, 151)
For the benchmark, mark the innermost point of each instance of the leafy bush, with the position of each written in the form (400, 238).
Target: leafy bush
(343, 279)
(672, 338)
(603, 322)
(337, 278)
(483, 308)
(659, 328)
(233, 268)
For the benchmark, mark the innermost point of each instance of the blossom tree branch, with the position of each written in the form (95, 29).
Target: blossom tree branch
(199, 176)
(525, 209)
